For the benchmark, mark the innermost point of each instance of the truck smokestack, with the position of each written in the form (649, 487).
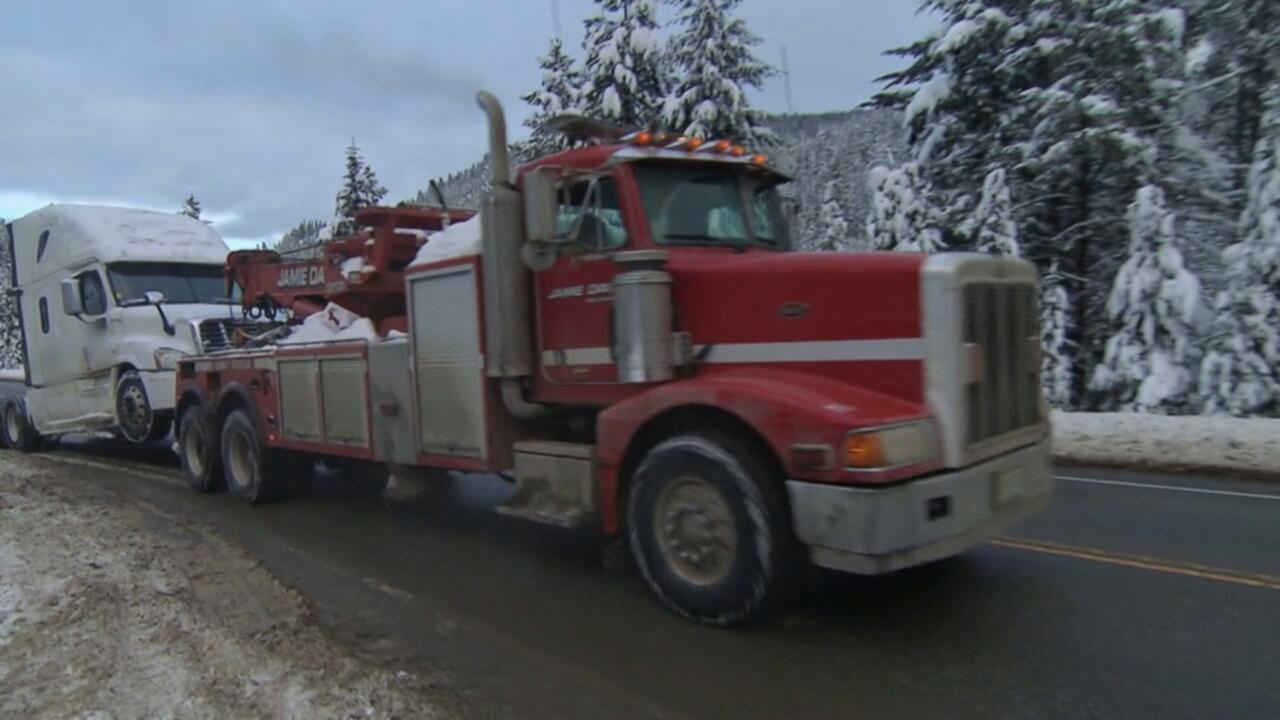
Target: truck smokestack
(498, 159)
(507, 315)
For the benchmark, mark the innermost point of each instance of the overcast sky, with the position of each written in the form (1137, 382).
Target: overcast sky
(249, 104)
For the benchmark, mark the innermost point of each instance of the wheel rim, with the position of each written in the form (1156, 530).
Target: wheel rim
(695, 530)
(13, 424)
(134, 412)
(240, 456)
(193, 449)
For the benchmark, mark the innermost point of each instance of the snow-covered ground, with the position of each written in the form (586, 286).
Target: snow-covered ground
(110, 610)
(1159, 442)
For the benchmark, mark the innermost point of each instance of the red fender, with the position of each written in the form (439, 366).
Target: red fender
(785, 407)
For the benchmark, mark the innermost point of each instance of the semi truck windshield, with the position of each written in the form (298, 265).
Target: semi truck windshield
(697, 204)
(180, 282)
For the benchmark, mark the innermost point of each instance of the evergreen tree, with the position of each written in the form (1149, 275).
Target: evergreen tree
(557, 95)
(10, 335)
(191, 207)
(360, 189)
(714, 65)
(1055, 358)
(1154, 308)
(306, 233)
(1240, 374)
(1078, 101)
(902, 215)
(835, 228)
(991, 227)
(623, 76)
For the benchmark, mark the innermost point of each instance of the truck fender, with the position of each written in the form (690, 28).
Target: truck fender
(782, 407)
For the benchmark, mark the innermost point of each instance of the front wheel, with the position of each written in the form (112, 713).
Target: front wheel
(709, 528)
(19, 434)
(137, 422)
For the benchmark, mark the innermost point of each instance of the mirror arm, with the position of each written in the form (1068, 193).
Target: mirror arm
(169, 329)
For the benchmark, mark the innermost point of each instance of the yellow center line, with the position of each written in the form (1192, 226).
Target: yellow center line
(1203, 572)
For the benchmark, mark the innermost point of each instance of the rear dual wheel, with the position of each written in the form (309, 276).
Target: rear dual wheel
(253, 472)
(19, 433)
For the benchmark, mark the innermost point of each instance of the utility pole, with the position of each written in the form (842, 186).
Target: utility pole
(786, 80)
(555, 17)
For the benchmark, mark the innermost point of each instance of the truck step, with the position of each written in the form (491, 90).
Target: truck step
(555, 484)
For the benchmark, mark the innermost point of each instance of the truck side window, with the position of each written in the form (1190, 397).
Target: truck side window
(92, 294)
(44, 315)
(601, 226)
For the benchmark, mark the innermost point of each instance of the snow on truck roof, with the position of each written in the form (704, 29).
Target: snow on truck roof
(80, 232)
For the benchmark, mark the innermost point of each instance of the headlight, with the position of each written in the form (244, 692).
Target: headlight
(906, 444)
(167, 358)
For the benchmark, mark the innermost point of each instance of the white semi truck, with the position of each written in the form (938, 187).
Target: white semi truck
(109, 299)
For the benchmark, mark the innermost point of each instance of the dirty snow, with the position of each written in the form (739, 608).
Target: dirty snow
(110, 609)
(457, 240)
(1160, 442)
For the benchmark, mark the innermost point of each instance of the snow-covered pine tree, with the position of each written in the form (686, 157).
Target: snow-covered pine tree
(557, 95)
(991, 227)
(360, 189)
(1077, 101)
(1154, 309)
(306, 233)
(903, 216)
(713, 64)
(190, 207)
(623, 75)
(1055, 357)
(834, 227)
(1240, 374)
(10, 336)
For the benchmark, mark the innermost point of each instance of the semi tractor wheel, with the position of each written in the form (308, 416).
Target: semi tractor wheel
(138, 423)
(252, 472)
(709, 528)
(198, 451)
(19, 433)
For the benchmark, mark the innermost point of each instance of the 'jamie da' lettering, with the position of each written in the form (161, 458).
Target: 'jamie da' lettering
(301, 276)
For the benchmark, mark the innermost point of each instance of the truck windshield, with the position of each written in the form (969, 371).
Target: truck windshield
(180, 282)
(709, 204)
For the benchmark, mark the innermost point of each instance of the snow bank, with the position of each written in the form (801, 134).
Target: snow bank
(457, 240)
(1161, 442)
(13, 374)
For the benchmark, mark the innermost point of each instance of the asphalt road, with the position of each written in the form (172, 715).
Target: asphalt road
(1134, 596)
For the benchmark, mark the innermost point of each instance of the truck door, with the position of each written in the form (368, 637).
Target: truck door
(575, 296)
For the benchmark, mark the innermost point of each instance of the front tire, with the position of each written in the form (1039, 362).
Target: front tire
(137, 422)
(19, 433)
(709, 528)
(198, 451)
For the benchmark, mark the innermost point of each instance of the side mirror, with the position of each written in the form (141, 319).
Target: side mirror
(154, 297)
(540, 205)
(71, 302)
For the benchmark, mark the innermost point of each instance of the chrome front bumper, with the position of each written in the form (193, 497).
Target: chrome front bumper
(871, 531)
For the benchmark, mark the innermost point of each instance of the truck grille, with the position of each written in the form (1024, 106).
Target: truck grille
(1001, 333)
(219, 333)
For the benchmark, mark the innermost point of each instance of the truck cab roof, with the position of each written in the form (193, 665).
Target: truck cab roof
(65, 236)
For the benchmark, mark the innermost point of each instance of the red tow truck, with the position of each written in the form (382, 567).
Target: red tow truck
(638, 348)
